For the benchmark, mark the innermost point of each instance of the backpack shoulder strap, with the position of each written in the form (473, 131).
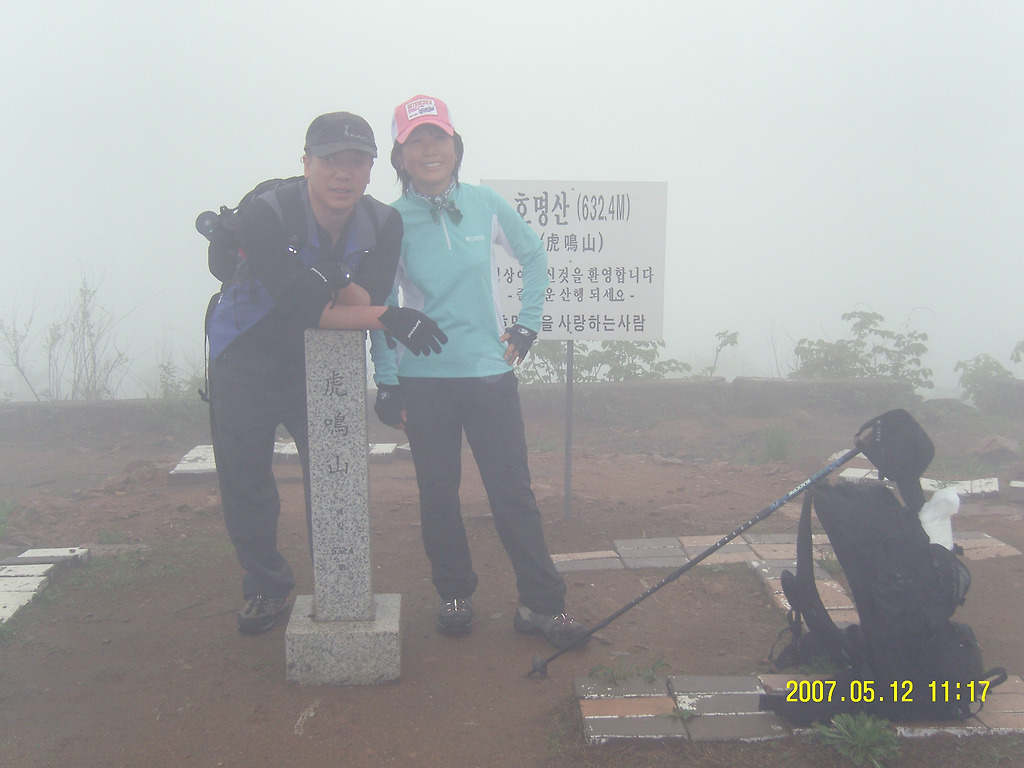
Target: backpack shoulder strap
(377, 211)
(286, 200)
(366, 230)
(802, 593)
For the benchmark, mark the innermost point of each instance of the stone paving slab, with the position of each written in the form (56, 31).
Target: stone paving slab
(37, 569)
(383, 450)
(666, 561)
(768, 538)
(772, 569)
(753, 726)
(721, 557)
(997, 701)
(590, 688)
(601, 730)
(25, 576)
(721, 703)
(841, 617)
(633, 706)
(23, 583)
(774, 551)
(773, 587)
(706, 684)
(622, 545)
(1015, 491)
(603, 554)
(697, 544)
(833, 596)
(198, 463)
(651, 553)
(587, 561)
(1013, 684)
(569, 566)
(49, 556)
(986, 486)
(10, 602)
(686, 708)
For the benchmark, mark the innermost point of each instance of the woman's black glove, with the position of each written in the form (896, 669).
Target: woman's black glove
(388, 405)
(519, 339)
(413, 329)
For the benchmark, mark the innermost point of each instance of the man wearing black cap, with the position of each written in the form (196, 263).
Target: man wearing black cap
(318, 252)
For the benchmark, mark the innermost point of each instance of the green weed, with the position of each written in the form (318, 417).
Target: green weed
(1003, 752)
(111, 536)
(623, 671)
(776, 444)
(861, 738)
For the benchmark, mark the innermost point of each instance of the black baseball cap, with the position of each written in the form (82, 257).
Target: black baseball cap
(338, 131)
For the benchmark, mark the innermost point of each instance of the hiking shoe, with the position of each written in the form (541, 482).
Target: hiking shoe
(561, 630)
(455, 617)
(259, 614)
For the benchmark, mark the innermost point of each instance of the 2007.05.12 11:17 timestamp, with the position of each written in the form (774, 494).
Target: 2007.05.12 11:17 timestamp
(866, 691)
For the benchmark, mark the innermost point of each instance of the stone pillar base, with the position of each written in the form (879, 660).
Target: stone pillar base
(344, 652)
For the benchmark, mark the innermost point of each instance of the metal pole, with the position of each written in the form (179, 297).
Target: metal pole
(567, 494)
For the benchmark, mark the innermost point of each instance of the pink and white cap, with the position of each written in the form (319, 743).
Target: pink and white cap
(417, 111)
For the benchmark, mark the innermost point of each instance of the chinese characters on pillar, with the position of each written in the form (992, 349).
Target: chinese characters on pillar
(605, 243)
(335, 424)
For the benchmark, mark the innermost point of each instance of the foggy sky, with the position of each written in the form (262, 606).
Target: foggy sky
(821, 157)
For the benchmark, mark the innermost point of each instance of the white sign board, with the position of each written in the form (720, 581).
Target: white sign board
(606, 257)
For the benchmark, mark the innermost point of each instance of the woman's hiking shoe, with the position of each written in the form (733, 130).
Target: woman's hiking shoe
(561, 630)
(259, 614)
(455, 617)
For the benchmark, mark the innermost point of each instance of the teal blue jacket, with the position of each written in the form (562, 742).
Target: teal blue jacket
(447, 271)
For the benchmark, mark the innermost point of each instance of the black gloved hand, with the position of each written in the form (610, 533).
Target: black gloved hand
(388, 405)
(413, 329)
(520, 339)
(335, 274)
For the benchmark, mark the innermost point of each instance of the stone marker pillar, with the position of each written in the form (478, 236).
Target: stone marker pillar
(343, 633)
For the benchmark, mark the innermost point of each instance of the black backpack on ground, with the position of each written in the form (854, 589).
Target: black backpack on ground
(905, 660)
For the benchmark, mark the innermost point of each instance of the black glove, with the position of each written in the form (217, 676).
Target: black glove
(520, 338)
(333, 273)
(388, 405)
(414, 329)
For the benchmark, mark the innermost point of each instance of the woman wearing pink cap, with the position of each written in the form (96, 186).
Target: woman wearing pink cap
(446, 271)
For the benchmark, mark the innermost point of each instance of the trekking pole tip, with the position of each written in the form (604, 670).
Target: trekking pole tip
(540, 667)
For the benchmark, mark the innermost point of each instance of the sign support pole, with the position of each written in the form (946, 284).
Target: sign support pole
(569, 376)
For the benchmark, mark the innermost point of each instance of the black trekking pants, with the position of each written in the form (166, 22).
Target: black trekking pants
(252, 391)
(488, 409)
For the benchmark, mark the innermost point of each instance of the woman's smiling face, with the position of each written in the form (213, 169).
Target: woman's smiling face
(428, 156)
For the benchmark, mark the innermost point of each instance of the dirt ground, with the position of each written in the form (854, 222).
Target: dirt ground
(135, 659)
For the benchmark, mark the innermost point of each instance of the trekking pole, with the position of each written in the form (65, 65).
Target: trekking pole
(894, 443)
(540, 666)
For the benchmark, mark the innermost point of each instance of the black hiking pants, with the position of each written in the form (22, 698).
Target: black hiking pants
(488, 409)
(252, 391)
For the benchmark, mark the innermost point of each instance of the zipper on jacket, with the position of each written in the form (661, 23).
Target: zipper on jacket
(447, 240)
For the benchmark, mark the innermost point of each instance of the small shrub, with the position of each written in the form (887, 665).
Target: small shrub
(871, 350)
(776, 444)
(976, 374)
(612, 361)
(623, 671)
(861, 738)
